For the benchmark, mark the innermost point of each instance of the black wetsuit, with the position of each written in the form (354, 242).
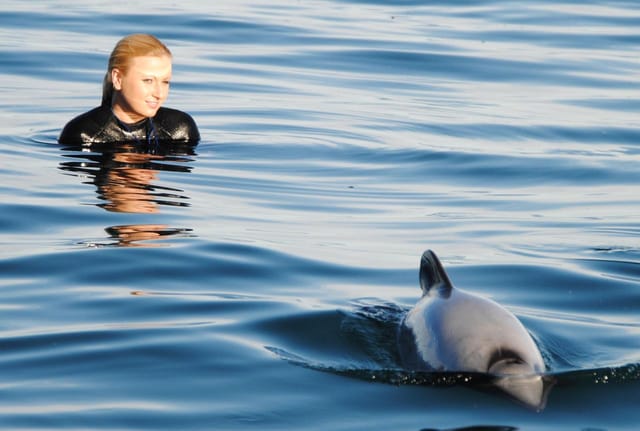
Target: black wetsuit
(100, 126)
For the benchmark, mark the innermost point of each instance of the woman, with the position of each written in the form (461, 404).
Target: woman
(134, 89)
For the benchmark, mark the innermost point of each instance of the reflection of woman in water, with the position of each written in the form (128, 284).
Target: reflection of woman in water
(126, 178)
(135, 87)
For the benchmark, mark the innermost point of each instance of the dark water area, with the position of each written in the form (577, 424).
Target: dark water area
(258, 279)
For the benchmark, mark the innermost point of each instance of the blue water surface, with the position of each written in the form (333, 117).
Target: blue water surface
(256, 281)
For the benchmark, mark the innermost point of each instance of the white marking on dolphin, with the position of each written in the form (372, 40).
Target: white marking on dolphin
(452, 330)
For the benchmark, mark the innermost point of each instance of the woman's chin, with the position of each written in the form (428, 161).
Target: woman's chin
(151, 112)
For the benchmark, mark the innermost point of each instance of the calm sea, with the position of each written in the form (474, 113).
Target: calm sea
(256, 281)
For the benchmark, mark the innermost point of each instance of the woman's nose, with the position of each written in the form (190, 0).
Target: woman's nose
(157, 90)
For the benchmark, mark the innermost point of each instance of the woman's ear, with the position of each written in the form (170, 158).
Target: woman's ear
(116, 78)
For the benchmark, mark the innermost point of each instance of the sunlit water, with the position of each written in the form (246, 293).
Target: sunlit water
(256, 281)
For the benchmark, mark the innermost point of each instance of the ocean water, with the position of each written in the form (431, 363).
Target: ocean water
(257, 280)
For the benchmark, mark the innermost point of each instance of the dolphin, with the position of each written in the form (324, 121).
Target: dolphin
(452, 330)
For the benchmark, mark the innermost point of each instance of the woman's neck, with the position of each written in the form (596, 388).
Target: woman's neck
(126, 117)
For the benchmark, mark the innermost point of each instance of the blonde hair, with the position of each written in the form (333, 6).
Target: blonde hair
(134, 45)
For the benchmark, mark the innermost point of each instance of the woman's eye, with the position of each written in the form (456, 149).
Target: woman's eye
(147, 80)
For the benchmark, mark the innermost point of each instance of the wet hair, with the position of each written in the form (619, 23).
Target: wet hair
(134, 45)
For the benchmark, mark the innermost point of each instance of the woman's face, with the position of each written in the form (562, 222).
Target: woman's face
(142, 89)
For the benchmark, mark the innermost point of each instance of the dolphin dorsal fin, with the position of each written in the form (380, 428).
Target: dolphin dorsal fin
(433, 275)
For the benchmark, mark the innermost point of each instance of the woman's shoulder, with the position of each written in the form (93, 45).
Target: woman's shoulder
(99, 125)
(175, 125)
(85, 127)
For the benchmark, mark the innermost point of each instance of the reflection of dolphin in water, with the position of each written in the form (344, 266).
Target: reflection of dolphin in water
(451, 330)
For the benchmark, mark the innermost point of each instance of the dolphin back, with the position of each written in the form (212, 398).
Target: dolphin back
(433, 277)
